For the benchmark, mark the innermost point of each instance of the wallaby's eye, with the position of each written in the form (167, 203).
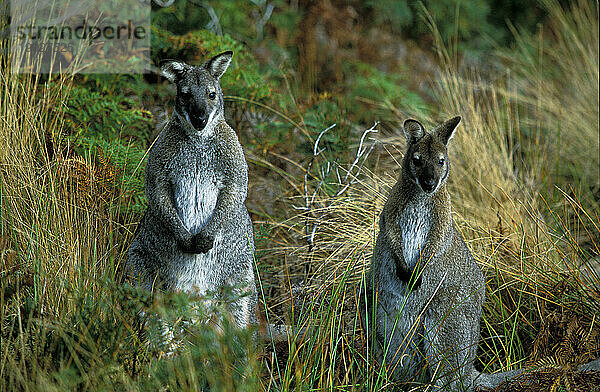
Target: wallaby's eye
(212, 95)
(416, 160)
(441, 161)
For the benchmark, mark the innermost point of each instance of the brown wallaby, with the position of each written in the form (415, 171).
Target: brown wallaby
(425, 290)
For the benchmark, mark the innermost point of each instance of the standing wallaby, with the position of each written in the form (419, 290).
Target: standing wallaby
(196, 235)
(425, 290)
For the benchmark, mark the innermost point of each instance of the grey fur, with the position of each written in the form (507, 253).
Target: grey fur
(427, 287)
(196, 235)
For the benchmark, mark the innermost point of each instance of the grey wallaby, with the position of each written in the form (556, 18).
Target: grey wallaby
(425, 291)
(196, 235)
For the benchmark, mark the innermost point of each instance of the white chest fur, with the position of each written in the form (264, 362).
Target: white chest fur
(195, 197)
(415, 224)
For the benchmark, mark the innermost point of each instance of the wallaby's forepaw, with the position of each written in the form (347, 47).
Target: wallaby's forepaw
(405, 274)
(413, 282)
(417, 283)
(200, 243)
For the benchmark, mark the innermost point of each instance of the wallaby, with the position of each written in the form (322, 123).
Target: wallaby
(196, 235)
(425, 290)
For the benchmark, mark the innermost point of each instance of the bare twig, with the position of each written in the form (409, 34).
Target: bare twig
(164, 4)
(214, 23)
(314, 218)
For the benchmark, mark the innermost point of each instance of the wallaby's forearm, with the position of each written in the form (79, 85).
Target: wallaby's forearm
(394, 241)
(232, 195)
(393, 238)
(223, 212)
(168, 214)
(438, 240)
(403, 271)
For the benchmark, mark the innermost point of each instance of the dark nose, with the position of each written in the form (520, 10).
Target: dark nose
(199, 120)
(428, 184)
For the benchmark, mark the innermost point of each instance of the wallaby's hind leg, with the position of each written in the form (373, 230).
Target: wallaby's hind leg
(140, 265)
(401, 347)
(450, 349)
(243, 310)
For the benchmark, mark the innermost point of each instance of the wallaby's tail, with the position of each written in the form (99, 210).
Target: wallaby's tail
(492, 380)
(590, 366)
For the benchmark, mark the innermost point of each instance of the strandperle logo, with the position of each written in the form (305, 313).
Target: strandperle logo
(82, 32)
(80, 36)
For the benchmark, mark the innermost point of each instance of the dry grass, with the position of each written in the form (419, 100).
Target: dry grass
(556, 76)
(61, 234)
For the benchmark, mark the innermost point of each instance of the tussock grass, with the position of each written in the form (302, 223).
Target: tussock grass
(524, 188)
(67, 321)
(55, 228)
(57, 244)
(556, 77)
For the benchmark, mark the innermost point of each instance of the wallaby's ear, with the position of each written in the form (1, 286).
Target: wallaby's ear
(172, 69)
(413, 130)
(219, 64)
(445, 131)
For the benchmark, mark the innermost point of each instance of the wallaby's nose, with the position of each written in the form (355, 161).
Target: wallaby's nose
(428, 184)
(199, 120)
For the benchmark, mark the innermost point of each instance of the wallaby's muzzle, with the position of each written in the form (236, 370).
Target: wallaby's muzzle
(428, 180)
(193, 110)
(198, 110)
(199, 121)
(428, 184)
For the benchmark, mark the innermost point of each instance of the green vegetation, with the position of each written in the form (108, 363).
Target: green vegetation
(525, 189)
